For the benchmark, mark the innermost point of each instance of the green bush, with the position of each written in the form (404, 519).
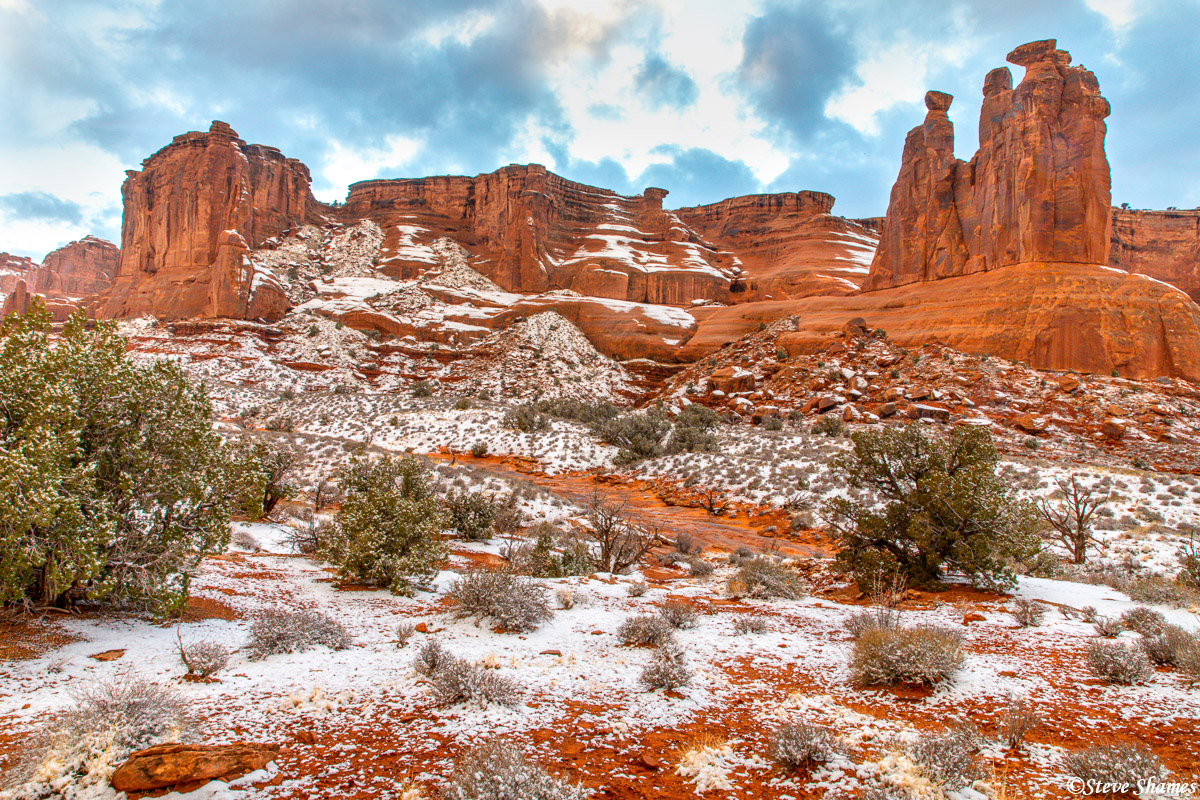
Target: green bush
(113, 484)
(422, 389)
(470, 514)
(942, 507)
(387, 532)
(638, 436)
(277, 467)
(830, 425)
(525, 418)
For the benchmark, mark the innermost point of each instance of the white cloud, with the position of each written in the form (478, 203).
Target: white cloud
(1118, 13)
(345, 165)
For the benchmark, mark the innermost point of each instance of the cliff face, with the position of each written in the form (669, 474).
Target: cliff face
(191, 216)
(80, 268)
(14, 270)
(1164, 245)
(1036, 191)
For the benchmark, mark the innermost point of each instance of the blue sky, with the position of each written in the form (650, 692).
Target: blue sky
(706, 98)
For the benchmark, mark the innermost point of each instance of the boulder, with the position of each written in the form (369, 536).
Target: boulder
(175, 764)
(1113, 429)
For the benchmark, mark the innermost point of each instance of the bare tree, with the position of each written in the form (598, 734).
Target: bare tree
(326, 492)
(1071, 517)
(712, 500)
(622, 544)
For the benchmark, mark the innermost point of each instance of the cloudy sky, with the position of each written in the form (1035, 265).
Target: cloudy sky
(706, 98)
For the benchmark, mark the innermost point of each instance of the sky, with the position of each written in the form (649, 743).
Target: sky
(706, 98)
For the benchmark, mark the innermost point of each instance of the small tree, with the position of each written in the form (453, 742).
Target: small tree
(942, 505)
(622, 544)
(1070, 519)
(277, 465)
(113, 484)
(387, 531)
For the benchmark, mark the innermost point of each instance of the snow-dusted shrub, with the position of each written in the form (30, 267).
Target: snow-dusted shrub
(1170, 645)
(404, 632)
(948, 758)
(1018, 720)
(1118, 662)
(525, 418)
(636, 588)
(497, 770)
(766, 577)
(667, 669)
(458, 681)
(107, 720)
(799, 743)
(280, 631)
(699, 567)
(387, 532)
(645, 629)
(514, 603)
(829, 425)
(203, 659)
(430, 658)
(1028, 613)
(1108, 627)
(880, 618)
(552, 554)
(1114, 764)
(1143, 620)
(470, 514)
(750, 623)
(679, 615)
(922, 655)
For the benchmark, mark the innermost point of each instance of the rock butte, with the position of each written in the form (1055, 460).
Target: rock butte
(1034, 199)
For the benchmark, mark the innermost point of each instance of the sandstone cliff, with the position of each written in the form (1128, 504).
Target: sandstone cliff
(80, 268)
(15, 269)
(192, 214)
(1036, 191)
(1164, 245)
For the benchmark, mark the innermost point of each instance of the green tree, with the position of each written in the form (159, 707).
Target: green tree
(387, 532)
(276, 464)
(941, 506)
(113, 483)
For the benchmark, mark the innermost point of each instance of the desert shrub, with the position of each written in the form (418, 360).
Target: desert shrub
(772, 422)
(693, 432)
(620, 543)
(479, 449)
(948, 758)
(829, 425)
(699, 567)
(1145, 621)
(943, 507)
(387, 531)
(1028, 613)
(1018, 720)
(880, 618)
(766, 577)
(525, 418)
(278, 631)
(686, 543)
(497, 770)
(278, 467)
(637, 436)
(589, 413)
(422, 389)
(460, 681)
(470, 514)
(514, 603)
(306, 538)
(1189, 562)
(430, 658)
(553, 554)
(1161, 590)
(919, 655)
(1118, 662)
(1171, 645)
(667, 669)
(1108, 627)
(113, 483)
(798, 744)
(636, 588)
(645, 629)
(107, 720)
(749, 623)
(203, 659)
(462, 404)
(1119, 764)
(679, 615)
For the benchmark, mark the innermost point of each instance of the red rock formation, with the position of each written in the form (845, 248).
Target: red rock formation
(786, 245)
(1036, 191)
(14, 269)
(1164, 245)
(168, 765)
(20, 300)
(190, 214)
(1052, 316)
(80, 268)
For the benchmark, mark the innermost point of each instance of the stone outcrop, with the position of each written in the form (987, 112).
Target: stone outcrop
(78, 269)
(1037, 190)
(181, 765)
(14, 269)
(20, 300)
(1164, 245)
(192, 214)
